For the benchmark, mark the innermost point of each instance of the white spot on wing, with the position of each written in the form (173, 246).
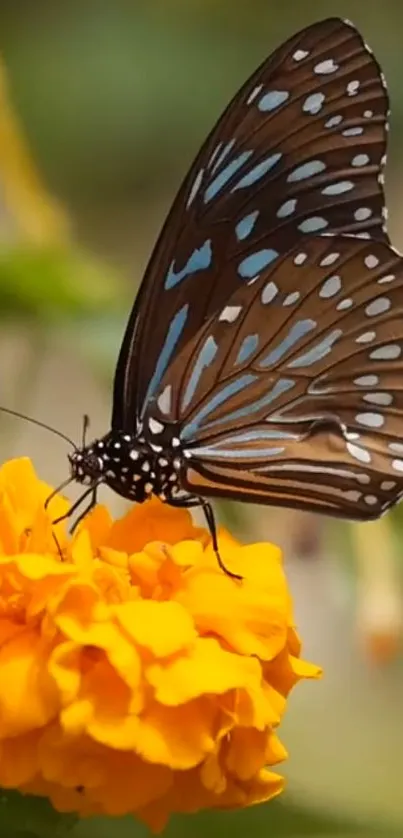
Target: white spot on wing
(344, 304)
(371, 261)
(389, 352)
(164, 400)
(352, 87)
(325, 67)
(383, 399)
(352, 495)
(366, 337)
(338, 188)
(269, 292)
(195, 188)
(353, 132)
(360, 160)
(366, 381)
(255, 92)
(362, 213)
(330, 287)
(385, 279)
(378, 306)
(155, 426)
(300, 54)
(360, 454)
(370, 420)
(230, 313)
(313, 103)
(333, 121)
(292, 298)
(330, 259)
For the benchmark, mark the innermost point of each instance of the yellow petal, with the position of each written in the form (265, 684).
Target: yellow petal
(163, 628)
(28, 698)
(205, 668)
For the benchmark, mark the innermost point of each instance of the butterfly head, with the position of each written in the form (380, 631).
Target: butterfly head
(87, 466)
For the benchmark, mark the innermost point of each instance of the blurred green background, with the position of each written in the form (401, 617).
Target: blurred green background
(114, 98)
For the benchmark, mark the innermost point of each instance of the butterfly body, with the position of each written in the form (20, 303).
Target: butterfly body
(133, 467)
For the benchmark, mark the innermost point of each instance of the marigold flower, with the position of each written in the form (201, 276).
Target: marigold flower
(136, 676)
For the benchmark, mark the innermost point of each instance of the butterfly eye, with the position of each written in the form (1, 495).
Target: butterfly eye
(86, 464)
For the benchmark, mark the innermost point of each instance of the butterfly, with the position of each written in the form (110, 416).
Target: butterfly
(262, 359)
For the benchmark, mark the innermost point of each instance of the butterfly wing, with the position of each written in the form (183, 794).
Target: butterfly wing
(300, 148)
(293, 393)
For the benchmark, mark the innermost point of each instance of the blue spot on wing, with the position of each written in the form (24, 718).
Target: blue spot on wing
(225, 175)
(205, 357)
(222, 448)
(307, 170)
(229, 390)
(280, 387)
(272, 100)
(240, 453)
(250, 436)
(257, 172)
(251, 265)
(298, 330)
(174, 332)
(247, 348)
(200, 260)
(317, 352)
(245, 226)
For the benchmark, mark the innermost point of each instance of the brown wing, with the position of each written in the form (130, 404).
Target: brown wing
(293, 393)
(300, 149)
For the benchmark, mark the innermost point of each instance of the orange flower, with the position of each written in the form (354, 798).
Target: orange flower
(136, 676)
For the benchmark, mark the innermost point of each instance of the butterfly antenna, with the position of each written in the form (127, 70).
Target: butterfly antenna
(86, 424)
(39, 424)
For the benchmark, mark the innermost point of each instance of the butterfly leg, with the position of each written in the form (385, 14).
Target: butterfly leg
(195, 500)
(92, 491)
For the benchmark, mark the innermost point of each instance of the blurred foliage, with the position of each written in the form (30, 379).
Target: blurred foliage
(51, 284)
(274, 819)
(30, 817)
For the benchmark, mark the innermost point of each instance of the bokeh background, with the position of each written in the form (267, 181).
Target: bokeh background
(102, 107)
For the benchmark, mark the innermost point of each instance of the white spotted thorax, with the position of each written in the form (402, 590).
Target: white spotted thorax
(130, 465)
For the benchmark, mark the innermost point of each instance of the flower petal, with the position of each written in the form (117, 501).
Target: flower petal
(164, 628)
